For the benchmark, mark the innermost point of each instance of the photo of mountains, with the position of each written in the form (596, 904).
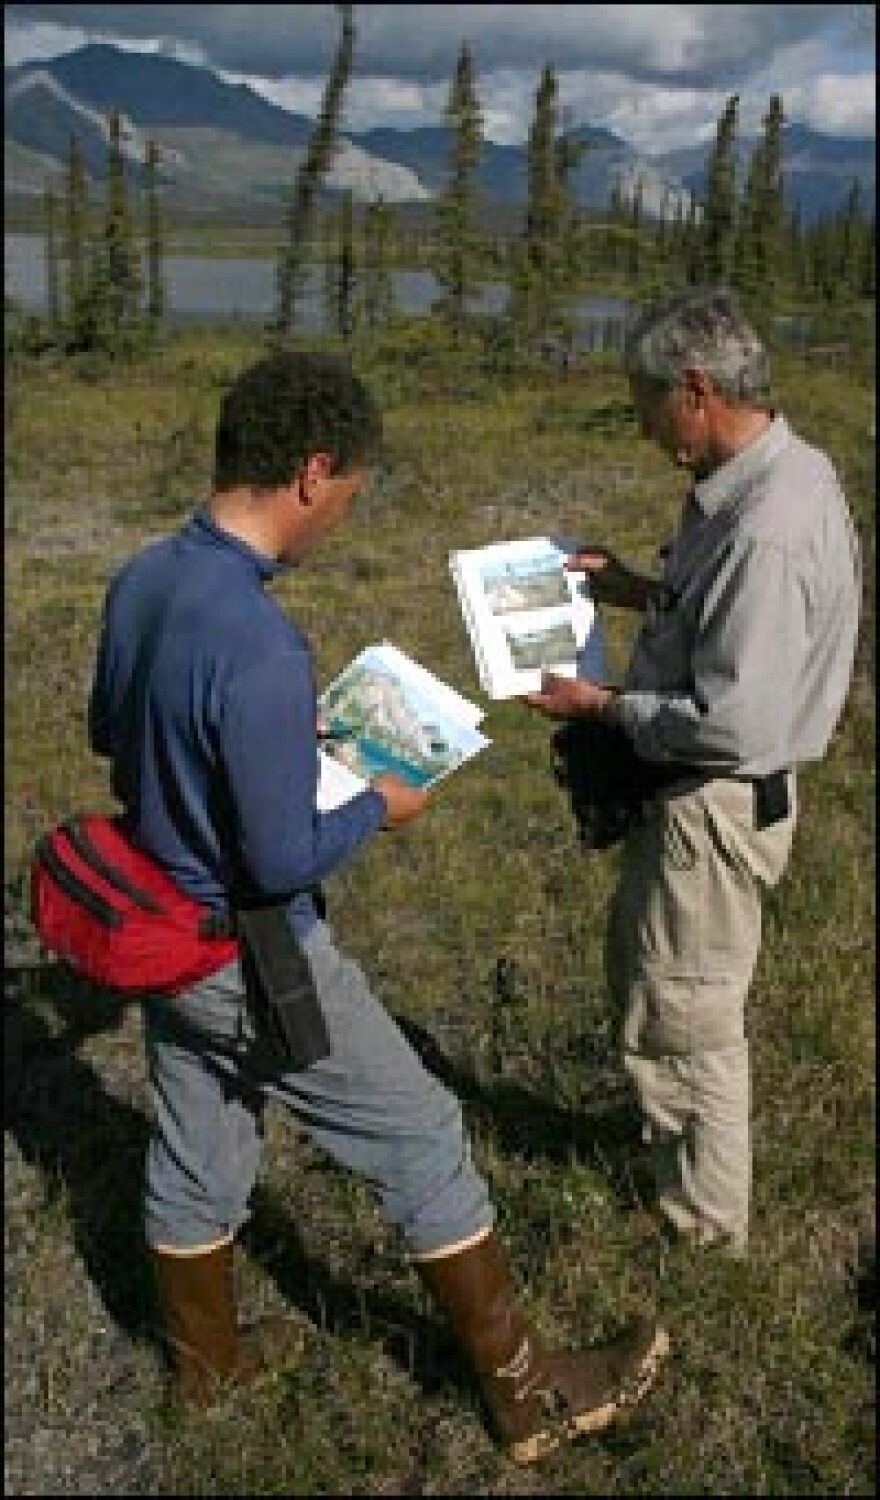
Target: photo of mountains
(377, 721)
(222, 145)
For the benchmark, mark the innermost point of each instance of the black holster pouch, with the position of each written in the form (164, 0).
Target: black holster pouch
(606, 781)
(771, 799)
(280, 984)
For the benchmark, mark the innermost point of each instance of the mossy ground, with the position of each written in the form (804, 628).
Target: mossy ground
(482, 927)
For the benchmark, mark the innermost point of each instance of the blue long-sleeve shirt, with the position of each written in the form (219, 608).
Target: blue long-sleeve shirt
(204, 700)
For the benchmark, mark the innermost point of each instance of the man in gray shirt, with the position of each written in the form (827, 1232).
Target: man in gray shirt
(738, 674)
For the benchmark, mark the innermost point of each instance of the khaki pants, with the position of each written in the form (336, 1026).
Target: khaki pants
(683, 943)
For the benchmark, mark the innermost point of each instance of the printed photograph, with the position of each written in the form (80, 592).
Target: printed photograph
(545, 647)
(377, 721)
(532, 582)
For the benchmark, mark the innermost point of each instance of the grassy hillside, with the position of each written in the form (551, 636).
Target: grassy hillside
(482, 927)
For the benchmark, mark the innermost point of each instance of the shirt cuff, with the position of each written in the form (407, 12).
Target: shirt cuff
(374, 805)
(633, 711)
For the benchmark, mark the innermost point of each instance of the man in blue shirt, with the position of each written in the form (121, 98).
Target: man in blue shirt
(205, 702)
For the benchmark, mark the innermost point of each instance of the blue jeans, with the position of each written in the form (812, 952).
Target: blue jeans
(371, 1105)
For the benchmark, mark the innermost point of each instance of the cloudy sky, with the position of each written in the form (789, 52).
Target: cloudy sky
(656, 74)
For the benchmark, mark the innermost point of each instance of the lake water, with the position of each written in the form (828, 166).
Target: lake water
(221, 289)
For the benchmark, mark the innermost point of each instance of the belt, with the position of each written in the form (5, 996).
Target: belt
(771, 800)
(223, 923)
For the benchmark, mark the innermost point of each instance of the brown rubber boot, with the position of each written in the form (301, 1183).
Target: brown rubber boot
(536, 1398)
(206, 1348)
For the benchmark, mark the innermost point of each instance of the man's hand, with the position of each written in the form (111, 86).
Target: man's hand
(612, 581)
(569, 697)
(402, 801)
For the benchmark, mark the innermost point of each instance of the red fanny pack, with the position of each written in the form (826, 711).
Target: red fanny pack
(114, 915)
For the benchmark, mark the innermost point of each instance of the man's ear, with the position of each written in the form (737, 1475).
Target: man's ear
(698, 386)
(317, 467)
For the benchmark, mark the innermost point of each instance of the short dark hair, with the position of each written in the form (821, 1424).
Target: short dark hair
(286, 406)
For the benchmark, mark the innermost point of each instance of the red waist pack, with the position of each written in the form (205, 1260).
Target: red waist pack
(114, 915)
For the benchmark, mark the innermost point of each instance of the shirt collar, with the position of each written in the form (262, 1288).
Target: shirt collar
(265, 567)
(738, 473)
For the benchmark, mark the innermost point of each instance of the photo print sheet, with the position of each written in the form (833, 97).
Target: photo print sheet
(386, 713)
(523, 613)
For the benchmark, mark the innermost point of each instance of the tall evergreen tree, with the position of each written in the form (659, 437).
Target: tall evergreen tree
(693, 249)
(719, 220)
(569, 153)
(330, 254)
(541, 278)
(456, 229)
(378, 292)
(76, 246)
(868, 272)
(313, 168)
(117, 265)
(822, 258)
(772, 195)
(53, 290)
(155, 285)
(760, 240)
(797, 259)
(614, 221)
(636, 227)
(340, 279)
(851, 233)
(676, 242)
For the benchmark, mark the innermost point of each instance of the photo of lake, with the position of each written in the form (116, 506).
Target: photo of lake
(545, 647)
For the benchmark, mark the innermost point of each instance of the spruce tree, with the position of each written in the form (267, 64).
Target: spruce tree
(378, 292)
(852, 231)
(614, 221)
(155, 286)
(330, 254)
(797, 259)
(760, 240)
(868, 272)
(746, 271)
(719, 219)
(636, 227)
(569, 153)
(456, 230)
(341, 277)
(53, 291)
(76, 247)
(694, 233)
(312, 170)
(541, 276)
(772, 198)
(117, 265)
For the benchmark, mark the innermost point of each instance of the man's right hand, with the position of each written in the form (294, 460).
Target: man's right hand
(402, 801)
(612, 581)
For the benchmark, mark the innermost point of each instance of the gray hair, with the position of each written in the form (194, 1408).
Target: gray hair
(699, 329)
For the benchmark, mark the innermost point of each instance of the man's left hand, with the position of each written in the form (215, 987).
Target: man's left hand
(568, 697)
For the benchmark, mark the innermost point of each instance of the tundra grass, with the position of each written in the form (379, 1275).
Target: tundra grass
(482, 927)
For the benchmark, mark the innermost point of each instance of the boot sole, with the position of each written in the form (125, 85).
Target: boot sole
(529, 1450)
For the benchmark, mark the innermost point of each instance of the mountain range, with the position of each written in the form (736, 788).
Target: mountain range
(224, 147)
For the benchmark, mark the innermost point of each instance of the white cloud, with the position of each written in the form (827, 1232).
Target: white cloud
(658, 75)
(37, 40)
(837, 103)
(399, 102)
(695, 44)
(33, 42)
(655, 119)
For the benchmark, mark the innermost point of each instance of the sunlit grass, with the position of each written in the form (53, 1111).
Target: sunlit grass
(482, 925)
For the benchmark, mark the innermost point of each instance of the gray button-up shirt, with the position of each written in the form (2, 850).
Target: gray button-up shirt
(746, 668)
